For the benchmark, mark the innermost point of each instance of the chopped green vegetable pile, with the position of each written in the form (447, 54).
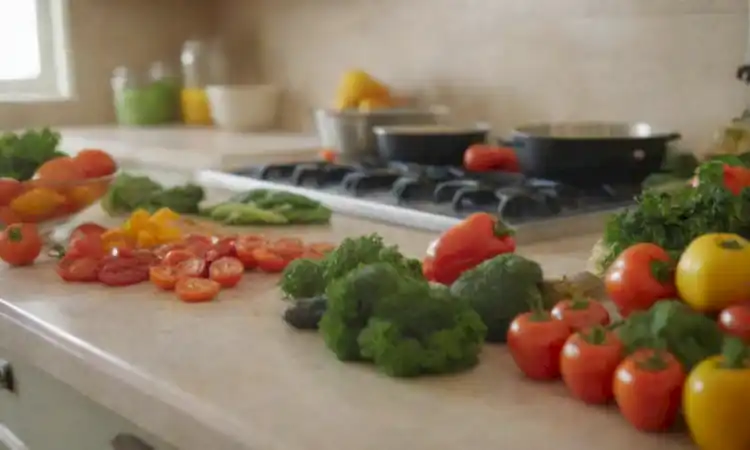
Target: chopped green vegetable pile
(21, 154)
(268, 207)
(379, 308)
(673, 219)
(130, 192)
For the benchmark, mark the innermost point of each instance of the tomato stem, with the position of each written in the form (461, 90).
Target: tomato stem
(57, 251)
(15, 234)
(661, 270)
(501, 229)
(735, 354)
(536, 305)
(655, 361)
(729, 244)
(596, 336)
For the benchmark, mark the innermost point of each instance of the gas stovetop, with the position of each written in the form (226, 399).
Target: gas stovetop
(440, 195)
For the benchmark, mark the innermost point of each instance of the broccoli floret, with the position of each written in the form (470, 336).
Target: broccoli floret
(351, 301)
(500, 289)
(306, 278)
(303, 278)
(406, 326)
(422, 330)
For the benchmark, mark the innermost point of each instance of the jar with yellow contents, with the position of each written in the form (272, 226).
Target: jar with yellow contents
(202, 64)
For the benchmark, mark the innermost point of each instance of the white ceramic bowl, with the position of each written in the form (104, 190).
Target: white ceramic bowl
(243, 107)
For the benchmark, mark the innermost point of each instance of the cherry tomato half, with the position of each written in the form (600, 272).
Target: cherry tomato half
(78, 270)
(123, 271)
(87, 229)
(163, 277)
(244, 247)
(226, 271)
(197, 290)
(175, 257)
(270, 261)
(223, 247)
(85, 245)
(191, 268)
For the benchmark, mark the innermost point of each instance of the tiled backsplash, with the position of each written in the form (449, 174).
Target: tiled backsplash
(669, 62)
(104, 35)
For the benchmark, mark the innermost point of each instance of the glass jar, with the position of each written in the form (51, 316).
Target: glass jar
(166, 82)
(199, 69)
(142, 100)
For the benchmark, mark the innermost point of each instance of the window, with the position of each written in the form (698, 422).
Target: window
(34, 62)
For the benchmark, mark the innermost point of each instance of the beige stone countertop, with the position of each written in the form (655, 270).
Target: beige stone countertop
(191, 148)
(231, 375)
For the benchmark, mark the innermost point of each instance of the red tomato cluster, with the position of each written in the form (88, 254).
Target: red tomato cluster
(572, 343)
(196, 268)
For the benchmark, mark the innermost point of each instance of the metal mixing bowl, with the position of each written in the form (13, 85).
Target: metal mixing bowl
(350, 132)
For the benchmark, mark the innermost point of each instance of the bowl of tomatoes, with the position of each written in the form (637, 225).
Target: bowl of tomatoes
(60, 188)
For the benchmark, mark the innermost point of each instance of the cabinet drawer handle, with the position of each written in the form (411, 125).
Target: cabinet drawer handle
(10, 440)
(127, 441)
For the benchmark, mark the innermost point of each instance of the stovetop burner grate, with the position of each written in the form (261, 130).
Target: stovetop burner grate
(448, 190)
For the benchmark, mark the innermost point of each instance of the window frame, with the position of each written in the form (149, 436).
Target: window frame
(55, 81)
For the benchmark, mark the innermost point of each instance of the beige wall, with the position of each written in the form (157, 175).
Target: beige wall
(670, 62)
(104, 35)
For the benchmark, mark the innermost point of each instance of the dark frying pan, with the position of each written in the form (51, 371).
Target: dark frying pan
(590, 153)
(432, 145)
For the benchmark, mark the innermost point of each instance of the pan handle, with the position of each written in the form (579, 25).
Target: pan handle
(509, 142)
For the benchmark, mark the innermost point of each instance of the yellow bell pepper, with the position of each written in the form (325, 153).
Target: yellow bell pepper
(37, 204)
(145, 230)
(716, 399)
(357, 85)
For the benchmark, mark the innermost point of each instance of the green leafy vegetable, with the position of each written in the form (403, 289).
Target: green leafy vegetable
(21, 154)
(499, 289)
(282, 207)
(245, 214)
(130, 192)
(673, 219)
(690, 336)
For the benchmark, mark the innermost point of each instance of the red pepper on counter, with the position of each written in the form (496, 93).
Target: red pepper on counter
(477, 238)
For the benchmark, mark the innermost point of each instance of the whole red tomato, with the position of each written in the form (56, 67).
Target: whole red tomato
(735, 321)
(581, 313)
(483, 157)
(588, 363)
(535, 341)
(642, 275)
(20, 244)
(648, 389)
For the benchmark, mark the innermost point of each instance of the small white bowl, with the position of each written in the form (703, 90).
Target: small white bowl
(243, 107)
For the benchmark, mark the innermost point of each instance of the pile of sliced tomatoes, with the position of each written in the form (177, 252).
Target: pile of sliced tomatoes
(197, 268)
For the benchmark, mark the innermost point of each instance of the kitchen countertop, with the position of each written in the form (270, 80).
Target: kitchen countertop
(230, 375)
(191, 148)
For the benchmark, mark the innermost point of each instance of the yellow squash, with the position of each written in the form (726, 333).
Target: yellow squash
(716, 400)
(714, 272)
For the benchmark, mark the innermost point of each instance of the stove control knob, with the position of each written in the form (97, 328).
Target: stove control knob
(639, 155)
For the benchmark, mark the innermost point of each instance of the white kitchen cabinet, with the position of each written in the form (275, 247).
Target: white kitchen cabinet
(42, 413)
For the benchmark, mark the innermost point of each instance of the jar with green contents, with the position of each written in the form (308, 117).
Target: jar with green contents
(150, 100)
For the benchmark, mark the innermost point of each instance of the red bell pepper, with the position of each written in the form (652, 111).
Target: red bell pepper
(477, 238)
